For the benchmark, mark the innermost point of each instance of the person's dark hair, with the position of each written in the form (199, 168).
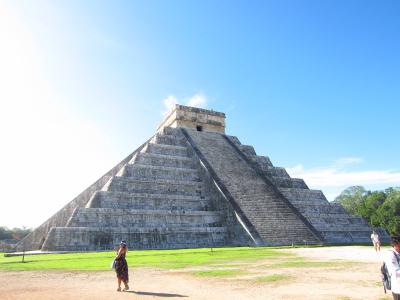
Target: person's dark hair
(394, 240)
(123, 243)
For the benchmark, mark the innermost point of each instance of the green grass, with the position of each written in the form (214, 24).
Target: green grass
(272, 278)
(219, 273)
(150, 258)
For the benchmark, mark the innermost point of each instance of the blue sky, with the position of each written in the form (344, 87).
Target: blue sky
(314, 85)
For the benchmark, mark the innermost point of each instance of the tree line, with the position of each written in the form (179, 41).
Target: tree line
(14, 233)
(378, 208)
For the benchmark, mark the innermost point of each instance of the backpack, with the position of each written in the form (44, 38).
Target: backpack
(386, 276)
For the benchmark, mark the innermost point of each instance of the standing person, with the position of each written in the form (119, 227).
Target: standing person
(376, 241)
(392, 260)
(121, 266)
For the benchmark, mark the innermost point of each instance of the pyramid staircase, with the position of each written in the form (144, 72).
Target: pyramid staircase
(333, 223)
(270, 219)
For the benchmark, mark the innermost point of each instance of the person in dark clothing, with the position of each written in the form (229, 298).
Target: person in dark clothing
(121, 267)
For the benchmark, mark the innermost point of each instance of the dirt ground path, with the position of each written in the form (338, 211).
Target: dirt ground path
(357, 281)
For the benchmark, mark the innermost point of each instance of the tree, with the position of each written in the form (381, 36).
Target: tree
(371, 204)
(388, 214)
(379, 208)
(15, 233)
(20, 233)
(5, 233)
(352, 199)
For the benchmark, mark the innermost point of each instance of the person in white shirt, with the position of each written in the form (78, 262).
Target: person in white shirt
(392, 260)
(376, 241)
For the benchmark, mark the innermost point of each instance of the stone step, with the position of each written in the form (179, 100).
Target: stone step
(290, 229)
(106, 199)
(338, 207)
(263, 162)
(283, 182)
(342, 223)
(111, 217)
(253, 201)
(297, 195)
(311, 205)
(276, 172)
(157, 196)
(342, 227)
(320, 213)
(272, 239)
(168, 140)
(142, 171)
(247, 150)
(165, 160)
(234, 139)
(149, 212)
(172, 131)
(308, 201)
(312, 208)
(166, 149)
(163, 230)
(163, 186)
(331, 217)
(338, 216)
(343, 237)
(96, 238)
(282, 226)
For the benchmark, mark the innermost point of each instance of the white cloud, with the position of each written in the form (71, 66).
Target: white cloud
(335, 178)
(169, 103)
(346, 161)
(197, 100)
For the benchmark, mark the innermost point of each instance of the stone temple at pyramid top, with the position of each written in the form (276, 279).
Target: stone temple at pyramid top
(194, 118)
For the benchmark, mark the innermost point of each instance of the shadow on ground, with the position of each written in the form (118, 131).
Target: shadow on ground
(155, 294)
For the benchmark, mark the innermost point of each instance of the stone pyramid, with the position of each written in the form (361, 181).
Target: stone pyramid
(190, 185)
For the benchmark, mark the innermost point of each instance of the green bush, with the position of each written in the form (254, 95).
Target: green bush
(379, 208)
